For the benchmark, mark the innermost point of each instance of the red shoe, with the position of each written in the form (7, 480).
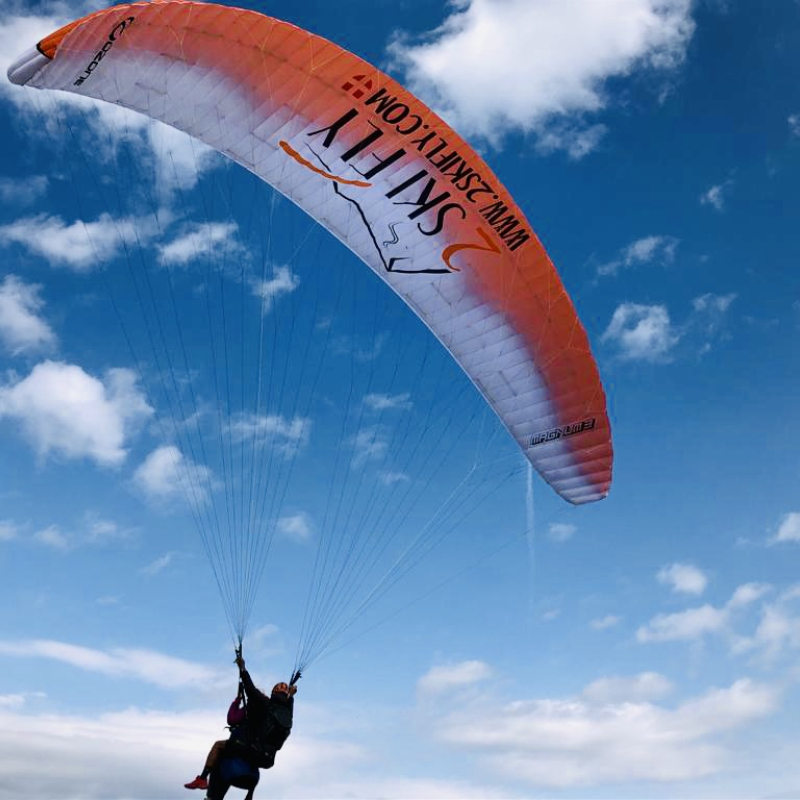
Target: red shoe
(198, 783)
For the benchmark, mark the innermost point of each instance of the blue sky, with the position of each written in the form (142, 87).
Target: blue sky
(643, 646)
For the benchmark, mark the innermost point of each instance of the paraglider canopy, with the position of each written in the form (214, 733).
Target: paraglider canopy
(383, 173)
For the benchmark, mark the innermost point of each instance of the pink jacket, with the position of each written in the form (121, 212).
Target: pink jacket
(236, 713)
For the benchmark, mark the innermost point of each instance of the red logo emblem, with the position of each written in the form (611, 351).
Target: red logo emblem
(358, 86)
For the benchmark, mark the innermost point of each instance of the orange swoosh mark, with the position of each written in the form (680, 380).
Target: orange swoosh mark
(289, 150)
(449, 252)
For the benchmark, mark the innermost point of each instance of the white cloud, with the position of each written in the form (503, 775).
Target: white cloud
(723, 709)
(93, 531)
(262, 640)
(794, 124)
(12, 701)
(694, 623)
(605, 739)
(390, 478)
(575, 139)
(383, 402)
(606, 622)
(52, 536)
(296, 527)
(778, 629)
(62, 409)
(158, 565)
(21, 328)
(646, 332)
(713, 302)
(613, 733)
(102, 531)
(178, 160)
(283, 282)
(80, 246)
(641, 333)
(709, 315)
(649, 249)
(717, 195)
(125, 663)
(286, 435)
(8, 530)
(789, 529)
(405, 788)
(748, 593)
(348, 346)
(198, 241)
(159, 474)
(561, 531)
(23, 191)
(108, 600)
(369, 444)
(683, 578)
(488, 45)
(639, 688)
(166, 474)
(643, 250)
(447, 677)
(86, 755)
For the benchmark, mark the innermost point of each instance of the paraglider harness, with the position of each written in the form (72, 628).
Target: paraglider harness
(258, 744)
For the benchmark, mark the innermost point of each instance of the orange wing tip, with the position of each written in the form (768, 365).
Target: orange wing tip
(48, 46)
(32, 60)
